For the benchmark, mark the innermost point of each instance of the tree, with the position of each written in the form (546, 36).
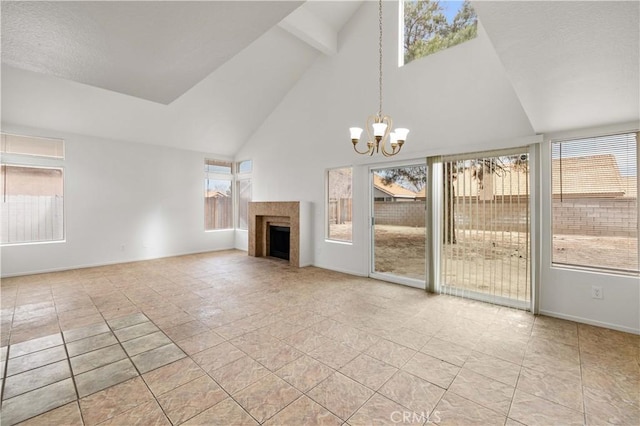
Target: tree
(412, 177)
(427, 31)
(416, 178)
(423, 22)
(340, 190)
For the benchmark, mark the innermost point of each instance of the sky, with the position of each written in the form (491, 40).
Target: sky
(450, 9)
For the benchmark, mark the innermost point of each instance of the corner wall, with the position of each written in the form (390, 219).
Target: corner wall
(122, 202)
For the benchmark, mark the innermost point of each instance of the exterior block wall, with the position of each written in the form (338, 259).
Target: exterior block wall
(576, 216)
(596, 216)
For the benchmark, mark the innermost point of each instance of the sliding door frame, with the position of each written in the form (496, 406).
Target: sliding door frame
(435, 201)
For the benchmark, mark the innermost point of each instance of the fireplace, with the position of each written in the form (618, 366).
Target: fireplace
(278, 243)
(294, 215)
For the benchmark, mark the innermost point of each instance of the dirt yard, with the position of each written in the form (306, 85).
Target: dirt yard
(491, 263)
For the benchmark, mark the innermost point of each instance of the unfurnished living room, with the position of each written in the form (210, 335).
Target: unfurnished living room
(320, 213)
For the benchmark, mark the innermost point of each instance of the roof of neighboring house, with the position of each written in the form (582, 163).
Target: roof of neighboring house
(595, 176)
(592, 175)
(392, 189)
(215, 194)
(630, 186)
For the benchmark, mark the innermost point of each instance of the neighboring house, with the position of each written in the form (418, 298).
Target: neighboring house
(390, 192)
(596, 176)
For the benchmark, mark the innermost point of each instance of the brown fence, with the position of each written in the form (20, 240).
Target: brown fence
(218, 213)
(340, 210)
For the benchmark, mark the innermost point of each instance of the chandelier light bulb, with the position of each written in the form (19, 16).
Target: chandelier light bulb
(401, 133)
(393, 137)
(355, 133)
(379, 129)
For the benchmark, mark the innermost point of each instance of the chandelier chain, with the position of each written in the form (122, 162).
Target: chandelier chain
(382, 140)
(380, 56)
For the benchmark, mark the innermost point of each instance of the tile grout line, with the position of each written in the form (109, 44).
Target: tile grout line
(73, 379)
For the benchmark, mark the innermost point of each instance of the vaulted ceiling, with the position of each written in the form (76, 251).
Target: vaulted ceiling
(205, 75)
(572, 64)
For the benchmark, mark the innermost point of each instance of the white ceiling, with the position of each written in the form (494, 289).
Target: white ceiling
(205, 75)
(152, 50)
(573, 64)
(217, 115)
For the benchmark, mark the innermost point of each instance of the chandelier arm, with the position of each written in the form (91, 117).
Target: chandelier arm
(368, 151)
(385, 138)
(391, 154)
(369, 125)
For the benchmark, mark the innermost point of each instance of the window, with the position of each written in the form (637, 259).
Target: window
(245, 166)
(595, 202)
(32, 181)
(243, 176)
(218, 195)
(432, 25)
(339, 204)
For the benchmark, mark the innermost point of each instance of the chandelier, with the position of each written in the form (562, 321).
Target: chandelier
(380, 124)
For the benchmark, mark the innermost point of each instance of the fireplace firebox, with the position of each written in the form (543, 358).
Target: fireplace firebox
(279, 241)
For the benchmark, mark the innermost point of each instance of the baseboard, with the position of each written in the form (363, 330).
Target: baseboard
(115, 262)
(591, 322)
(342, 271)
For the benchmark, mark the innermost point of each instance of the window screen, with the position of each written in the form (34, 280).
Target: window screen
(595, 202)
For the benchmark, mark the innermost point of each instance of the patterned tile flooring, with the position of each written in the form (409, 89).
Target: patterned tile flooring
(223, 338)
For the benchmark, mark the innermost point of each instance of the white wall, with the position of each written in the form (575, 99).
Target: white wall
(566, 292)
(454, 101)
(146, 198)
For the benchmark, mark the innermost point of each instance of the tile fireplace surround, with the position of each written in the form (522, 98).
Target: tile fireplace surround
(293, 214)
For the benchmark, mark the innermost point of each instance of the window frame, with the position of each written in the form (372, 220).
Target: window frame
(238, 177)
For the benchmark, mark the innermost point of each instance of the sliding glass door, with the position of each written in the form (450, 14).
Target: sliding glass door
(485, 233)
(398, 231)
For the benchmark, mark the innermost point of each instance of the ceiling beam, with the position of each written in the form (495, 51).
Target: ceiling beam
(312, 30)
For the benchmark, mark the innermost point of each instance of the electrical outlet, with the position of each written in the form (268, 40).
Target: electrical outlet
(596, 292)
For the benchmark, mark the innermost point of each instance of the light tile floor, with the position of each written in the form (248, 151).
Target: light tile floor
(223, 338)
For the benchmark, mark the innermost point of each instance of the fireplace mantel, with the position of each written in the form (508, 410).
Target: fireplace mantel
(294, 214)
